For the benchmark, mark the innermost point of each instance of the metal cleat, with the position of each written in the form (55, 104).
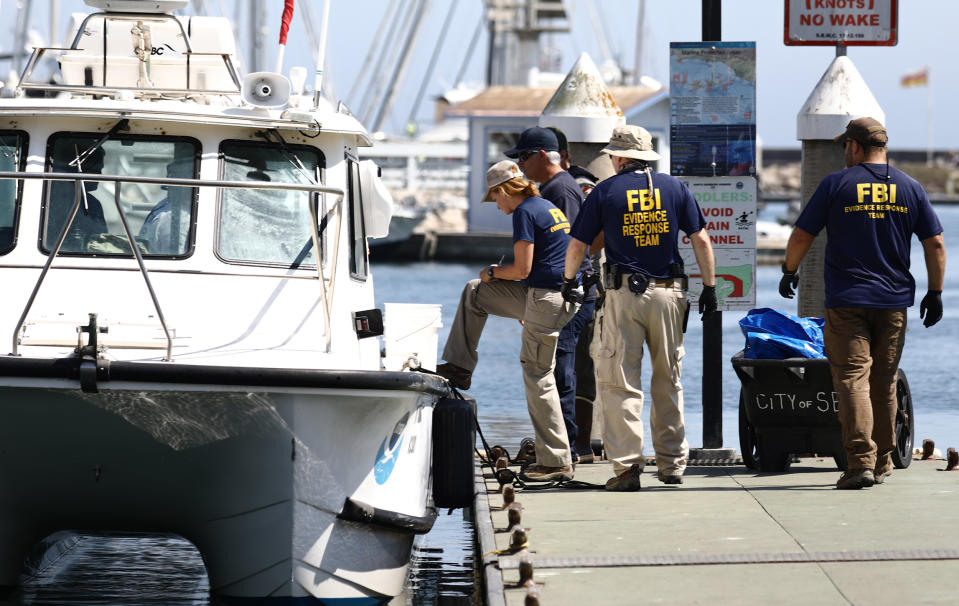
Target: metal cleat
(952, 459)
(501, 463)
(526, 574)
(514, 513)
(509, 494)
(519, 539)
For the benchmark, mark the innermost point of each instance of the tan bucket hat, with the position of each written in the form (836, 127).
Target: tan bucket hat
(630, 141)
(500, 173)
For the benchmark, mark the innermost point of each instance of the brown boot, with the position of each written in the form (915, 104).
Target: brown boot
(628, 481)
(542, 473)
(459, 377)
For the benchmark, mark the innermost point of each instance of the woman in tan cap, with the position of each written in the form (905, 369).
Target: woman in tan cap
(528, 290)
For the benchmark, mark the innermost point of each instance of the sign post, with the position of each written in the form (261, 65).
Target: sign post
(713, 149)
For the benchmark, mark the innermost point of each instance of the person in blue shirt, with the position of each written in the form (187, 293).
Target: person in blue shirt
(870, 211)
(538, 156)
(527, 290)
(637, 216)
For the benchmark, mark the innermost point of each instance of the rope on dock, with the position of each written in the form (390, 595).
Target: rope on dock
(886, 555)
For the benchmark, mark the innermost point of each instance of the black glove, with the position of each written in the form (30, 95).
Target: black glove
(707, 300)
(931, 307)
(788, 283)
(571, 291)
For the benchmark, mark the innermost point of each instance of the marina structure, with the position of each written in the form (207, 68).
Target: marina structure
(190, 312)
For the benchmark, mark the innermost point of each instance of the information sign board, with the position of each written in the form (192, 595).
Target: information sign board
(729, 205)
(846, 22)
(712, 100)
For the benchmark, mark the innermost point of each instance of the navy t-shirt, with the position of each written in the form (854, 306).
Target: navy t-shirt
(539, 221)
(563, 191)
(869, 221)
(641, 227)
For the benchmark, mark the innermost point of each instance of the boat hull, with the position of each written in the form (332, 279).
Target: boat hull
(313, 489)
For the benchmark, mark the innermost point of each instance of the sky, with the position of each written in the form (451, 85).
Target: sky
(785, 74)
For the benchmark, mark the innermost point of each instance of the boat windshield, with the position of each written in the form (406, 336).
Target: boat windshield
(264, 226)
(13, 148)
(160, 216)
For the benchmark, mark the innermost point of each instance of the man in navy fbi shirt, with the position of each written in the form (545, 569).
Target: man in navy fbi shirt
(870, 211)
(637, 215)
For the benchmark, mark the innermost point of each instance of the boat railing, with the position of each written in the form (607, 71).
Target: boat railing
(118, 91)
(80, 178)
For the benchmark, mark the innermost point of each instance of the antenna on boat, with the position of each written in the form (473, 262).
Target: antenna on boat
(284, 30)
(321, 55)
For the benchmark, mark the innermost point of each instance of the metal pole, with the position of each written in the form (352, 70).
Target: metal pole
(398, 73)
(640, 41)
(254, 42)
(411, 121)
(54, 23)
(713, 325)
(712, 20)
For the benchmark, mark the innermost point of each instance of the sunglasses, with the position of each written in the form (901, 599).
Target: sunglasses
(526, 155)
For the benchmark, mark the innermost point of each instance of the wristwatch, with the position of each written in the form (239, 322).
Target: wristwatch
(489, 271)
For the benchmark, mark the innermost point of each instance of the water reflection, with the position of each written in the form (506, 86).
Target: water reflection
(108, 569)
(442, 568)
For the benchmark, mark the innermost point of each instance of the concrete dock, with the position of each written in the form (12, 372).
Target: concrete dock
(728, 535)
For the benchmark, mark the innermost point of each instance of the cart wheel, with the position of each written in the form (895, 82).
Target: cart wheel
(747, 437)
(772, 460)
(905, 424)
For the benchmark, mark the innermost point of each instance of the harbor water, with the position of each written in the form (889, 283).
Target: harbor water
(106, 569)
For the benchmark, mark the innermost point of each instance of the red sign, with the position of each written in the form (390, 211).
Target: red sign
(846, 22)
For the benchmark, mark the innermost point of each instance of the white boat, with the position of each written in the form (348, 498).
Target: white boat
(179, 360)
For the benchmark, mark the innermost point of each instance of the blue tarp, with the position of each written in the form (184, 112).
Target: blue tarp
(774, 334)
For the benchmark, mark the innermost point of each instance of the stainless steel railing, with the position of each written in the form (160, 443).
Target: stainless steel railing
(79, 178)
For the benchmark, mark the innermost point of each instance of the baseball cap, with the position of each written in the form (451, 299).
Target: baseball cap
(500, 173)
(631, 141)
(560, 138)
(534, 138)
(866, 131)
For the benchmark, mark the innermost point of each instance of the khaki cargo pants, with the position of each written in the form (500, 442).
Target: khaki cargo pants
(627, 321)
(544, 313)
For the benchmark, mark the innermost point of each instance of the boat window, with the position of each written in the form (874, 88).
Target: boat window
(359, 261)
(13, 157)
(160, 216)
(268, 226)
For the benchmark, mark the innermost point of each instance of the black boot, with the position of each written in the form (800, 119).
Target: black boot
(459, 377)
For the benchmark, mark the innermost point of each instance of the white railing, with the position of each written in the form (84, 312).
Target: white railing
(79, 178)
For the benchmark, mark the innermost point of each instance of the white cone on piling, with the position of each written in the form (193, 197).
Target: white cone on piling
(840, 95)
(582, 106)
